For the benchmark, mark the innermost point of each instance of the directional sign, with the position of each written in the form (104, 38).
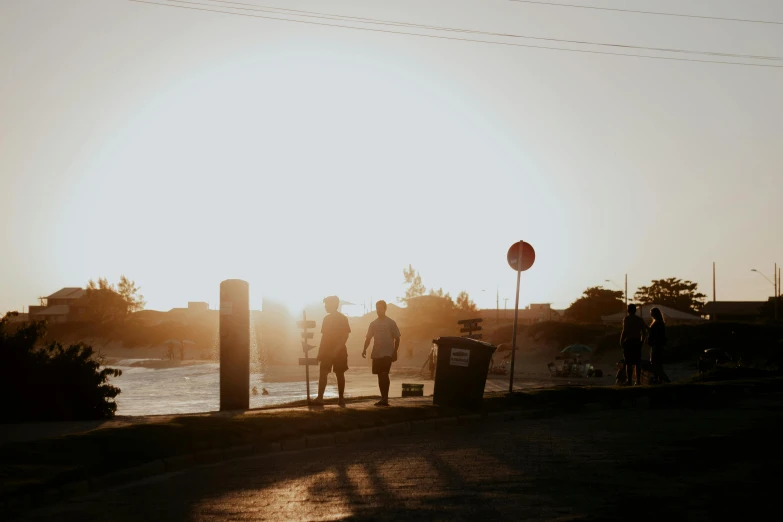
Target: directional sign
(307, 335)
(306, 347)
(305, 324)
(468, 330)
(468, 321)
(308, 361)
(520, 259)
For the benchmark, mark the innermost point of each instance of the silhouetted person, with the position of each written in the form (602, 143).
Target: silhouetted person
(384, 350)
(632, 339)
(657, 342)
(332, 352)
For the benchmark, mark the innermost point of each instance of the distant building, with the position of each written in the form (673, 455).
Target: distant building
(67, 304)
(193, 307)
(534, 313)
(734, 311)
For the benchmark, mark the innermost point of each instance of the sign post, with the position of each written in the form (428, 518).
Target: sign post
(520, 257)
(469, 326)
(304, 325)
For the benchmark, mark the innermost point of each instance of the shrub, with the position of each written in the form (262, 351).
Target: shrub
(51, 382)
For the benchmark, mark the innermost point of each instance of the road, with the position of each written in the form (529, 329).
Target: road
(605, 465)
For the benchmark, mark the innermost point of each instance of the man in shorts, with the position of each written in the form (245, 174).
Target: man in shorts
(332, 352)
(384, 350)
(632, 340)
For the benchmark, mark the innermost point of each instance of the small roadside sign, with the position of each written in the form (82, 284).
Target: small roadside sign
(305, 361)
(470, 326)
(470, 330)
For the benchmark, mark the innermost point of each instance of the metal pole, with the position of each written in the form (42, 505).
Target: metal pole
(713, 282)
(307, 365)
(516, 314)
(497, 305)
(775, 283)
(626, 290)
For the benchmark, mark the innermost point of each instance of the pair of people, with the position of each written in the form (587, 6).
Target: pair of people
(333, 352)
(632, 339)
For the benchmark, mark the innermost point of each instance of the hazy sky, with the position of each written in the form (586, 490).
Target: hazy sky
(182, 148)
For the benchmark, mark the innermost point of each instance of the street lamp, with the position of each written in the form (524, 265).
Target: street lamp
(774, 285)
(762, 275)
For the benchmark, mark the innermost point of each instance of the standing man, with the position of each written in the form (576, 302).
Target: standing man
(384, 350)
(332, 352)
(632, 340)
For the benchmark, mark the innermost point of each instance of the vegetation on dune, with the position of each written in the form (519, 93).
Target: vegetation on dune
(672, 292)
(594, 303)
(51, 382)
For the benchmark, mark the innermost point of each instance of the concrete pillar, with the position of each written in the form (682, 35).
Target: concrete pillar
(234, 345)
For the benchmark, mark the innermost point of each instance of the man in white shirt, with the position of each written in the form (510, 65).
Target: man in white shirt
(384, 350)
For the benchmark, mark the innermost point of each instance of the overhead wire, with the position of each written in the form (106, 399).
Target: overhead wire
(657, 13)
(440, 37)
(375, 21)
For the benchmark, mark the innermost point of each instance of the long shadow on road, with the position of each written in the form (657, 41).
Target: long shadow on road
(639, 465)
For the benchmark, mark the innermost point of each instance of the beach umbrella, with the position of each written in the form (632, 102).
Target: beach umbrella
(576, 349)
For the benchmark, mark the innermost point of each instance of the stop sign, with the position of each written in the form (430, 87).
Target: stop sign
(521, 256)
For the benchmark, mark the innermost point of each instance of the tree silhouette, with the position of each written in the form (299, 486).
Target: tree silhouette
(439, 293)
(105, 302)
(595, 302)
(51, 382)
(416, 288)
(464, 303)
(672, 292)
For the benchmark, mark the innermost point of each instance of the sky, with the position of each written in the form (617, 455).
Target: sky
(182, 148)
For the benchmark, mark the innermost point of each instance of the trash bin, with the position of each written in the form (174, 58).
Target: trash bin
(461, 373)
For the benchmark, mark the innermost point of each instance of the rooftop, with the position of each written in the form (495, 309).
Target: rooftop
(748, 308)
(67, 293)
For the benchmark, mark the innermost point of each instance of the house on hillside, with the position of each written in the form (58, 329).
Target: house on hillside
(66, 305)
(734, 311)
(194, 307)
(670, 315)
(534, 313)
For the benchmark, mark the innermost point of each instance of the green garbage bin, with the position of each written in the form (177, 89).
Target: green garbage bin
(461, 374)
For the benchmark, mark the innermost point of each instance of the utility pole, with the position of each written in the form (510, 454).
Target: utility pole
(777, 290)
(497, 305)
(713, 282)
(505, 307)
(626, 290)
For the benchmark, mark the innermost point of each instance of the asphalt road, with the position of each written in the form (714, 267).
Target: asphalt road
(609, 465)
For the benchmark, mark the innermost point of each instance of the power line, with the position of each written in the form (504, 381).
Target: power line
(507, 44)
(704, 17)
(375, 21)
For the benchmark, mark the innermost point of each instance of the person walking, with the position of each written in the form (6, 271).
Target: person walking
(384, 349)
(332, 352)
(657, 342)
(632, 340)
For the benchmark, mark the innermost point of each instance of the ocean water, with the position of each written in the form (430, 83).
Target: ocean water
(192, 389)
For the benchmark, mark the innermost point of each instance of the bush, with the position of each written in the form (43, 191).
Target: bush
(51, 382)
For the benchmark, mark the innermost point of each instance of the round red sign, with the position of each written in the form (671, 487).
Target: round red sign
(521, 256)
